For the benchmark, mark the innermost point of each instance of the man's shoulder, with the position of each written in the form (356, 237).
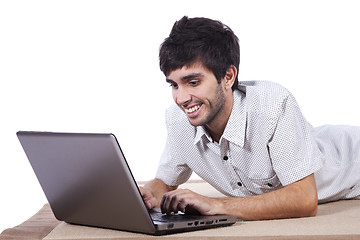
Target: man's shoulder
(262, 86)
(175, 116)
(264, 97)
(265, 92)
(174, 113)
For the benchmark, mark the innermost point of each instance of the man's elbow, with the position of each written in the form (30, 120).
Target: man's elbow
(312, 211)
(314, 208)
(307, 197)
(310, 207)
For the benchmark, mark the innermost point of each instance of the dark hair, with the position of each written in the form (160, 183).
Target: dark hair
(203, 40)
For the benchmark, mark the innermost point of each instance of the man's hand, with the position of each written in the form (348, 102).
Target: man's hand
(148, 197)
(153, 191)
(185, 200)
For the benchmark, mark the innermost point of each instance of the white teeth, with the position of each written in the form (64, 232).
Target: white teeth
(193, 109)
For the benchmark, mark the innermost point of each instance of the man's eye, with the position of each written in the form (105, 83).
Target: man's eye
(173, 85)
(194, 83)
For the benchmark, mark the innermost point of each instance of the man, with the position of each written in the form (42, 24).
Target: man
(249, 140)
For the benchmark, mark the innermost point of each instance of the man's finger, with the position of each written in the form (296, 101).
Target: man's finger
(163, 204)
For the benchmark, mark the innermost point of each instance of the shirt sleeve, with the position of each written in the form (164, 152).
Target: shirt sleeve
(293, 150)
(171, 171)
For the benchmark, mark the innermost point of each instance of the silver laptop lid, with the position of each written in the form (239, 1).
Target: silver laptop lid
(84, 176)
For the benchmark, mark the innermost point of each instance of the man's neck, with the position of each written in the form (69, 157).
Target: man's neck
(217, 126)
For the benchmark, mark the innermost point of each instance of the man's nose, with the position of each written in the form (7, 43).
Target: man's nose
(182, 97)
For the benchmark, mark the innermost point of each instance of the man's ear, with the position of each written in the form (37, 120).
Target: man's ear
(230, 77)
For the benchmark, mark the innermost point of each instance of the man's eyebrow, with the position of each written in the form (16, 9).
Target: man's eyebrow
(187, 77)
(192, 76)
(169, 80)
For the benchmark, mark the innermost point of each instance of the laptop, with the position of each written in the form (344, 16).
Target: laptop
(87, 181)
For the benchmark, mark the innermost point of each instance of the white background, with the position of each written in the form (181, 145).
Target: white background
(92, 66)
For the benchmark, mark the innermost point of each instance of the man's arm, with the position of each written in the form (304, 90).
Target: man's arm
(298, 199)
(153, 191)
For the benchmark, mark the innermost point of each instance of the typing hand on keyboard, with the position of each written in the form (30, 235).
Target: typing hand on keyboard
(187, 201)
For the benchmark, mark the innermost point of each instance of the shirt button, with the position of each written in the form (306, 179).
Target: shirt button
(225, 158)
(239, 183)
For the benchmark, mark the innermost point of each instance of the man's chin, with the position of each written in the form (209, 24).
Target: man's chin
(196, 123)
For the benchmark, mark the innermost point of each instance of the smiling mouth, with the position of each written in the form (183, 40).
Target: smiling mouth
(192, 109)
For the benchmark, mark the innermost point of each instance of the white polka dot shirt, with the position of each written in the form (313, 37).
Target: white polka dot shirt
(267, 144)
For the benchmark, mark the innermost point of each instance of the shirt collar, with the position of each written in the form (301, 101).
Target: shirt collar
(200, 132)
(236, 125)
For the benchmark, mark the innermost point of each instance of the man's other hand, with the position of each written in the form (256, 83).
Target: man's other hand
(148, 197)
(184, 199)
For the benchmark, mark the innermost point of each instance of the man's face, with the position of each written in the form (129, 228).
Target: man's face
(196, 91)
